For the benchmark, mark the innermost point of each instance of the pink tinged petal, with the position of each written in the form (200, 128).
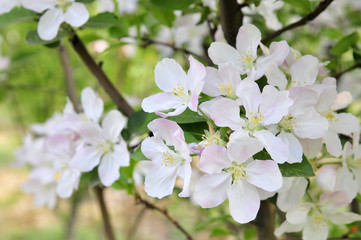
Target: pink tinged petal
(211, 190)
(38, 5)
(275, 76)
(279, 51)
(186, 180)
(121, 153)
(263, 194)
(177, 110)
(92, 105)
(221, 52)
(241, 147)
(168, 73)
(211, 82)
(244, 201)
(300, 77)
(214, 158)
(334, 200)
(291, 193)
(49, 23)
(67, 183)
(167, 130)
(113, 124)
(325, 177)
(274, 145)
(333, 143)
(153, 149)
(327, 97)
(313, 231)
(343, 99)
(108, 169)
(343, 217)
(160, 181)
(230, 73)
(345, 123)
(274, 105)
(196, 75)
(286, 227)
(311, 147)
(294, 147)
(58, 143)
(298, 215)
(310, 124)
(86, 158)
(91, 133)
(250, 94)
(76, 14)
(225, 113)
(161, 102)
(345, 182)
(264, 174)
(206, 106)
(303, 97)
(248, 39)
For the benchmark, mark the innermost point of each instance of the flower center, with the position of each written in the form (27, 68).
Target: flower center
(256, 119)
(64, 4)
(288, 122)
(209, 139)
(227, 90)
(180, 93)
(239, 172)
(106, 146)
(168, 159)
(331, 116)
(318, 221)
(246, 59)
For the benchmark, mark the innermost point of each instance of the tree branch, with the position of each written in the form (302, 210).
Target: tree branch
(68, 72)
(149, 205)
(338, 75)
(100, 75)
(231, 19)
(309, 17)
(103, 208)
(265, 221)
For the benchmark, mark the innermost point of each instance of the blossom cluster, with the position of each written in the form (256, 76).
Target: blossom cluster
(293, 116)
(69, 144)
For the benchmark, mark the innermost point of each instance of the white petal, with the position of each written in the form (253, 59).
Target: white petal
(221, 52)
(225, 113)
(244, 202)
(196, 74)
(213, 159)
(287, 227)
(91, 133)
(275, 76)
(313, 231)
(168, 73)
(345, 182)
(264, 174)
(299, 214)
(250, 94)
(274, 145)
(212, 81)
(310, 124)
(343, 217)
(294, 147)
(211, 190)
(187, 170)
(49, 24)
(292, 191)
(333, 143)
(311, 147)
(334, 200)
(153, 149)
(346, 123)
(38, 5)
(279, 51)
(241, 146)
(86, 158)
(161, 102)
(108, 169)
(67, 183)
(248, 38)
(113, 124)
(343, 100)
(92, 105)
(76, 14)
(300, 77)
(325, 177)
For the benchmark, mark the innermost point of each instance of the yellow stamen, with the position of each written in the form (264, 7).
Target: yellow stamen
(331, 115)
(178, 91)
(168, 159)
(288, 122)
(239, 172)
(226, 89)
(256, 119)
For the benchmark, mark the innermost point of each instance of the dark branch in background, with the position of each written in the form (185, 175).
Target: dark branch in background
(103, 208)
(309, 17)
(165, 213)
(68, 72)
(71, 224)
(265, 221)
(231, 19)
(338, 75)
(104, 81)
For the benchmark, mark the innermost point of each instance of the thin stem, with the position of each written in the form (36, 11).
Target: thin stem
(100, 75)
(103, 208)
(68, 72)
(309, 17)
(357, 65)
(165, 213)
(207, 118)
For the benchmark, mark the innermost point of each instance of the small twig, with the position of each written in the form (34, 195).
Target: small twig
(68, 72)
(338, 75)
(165, 213)
(103, 208)
(100, 75)
(231, 19)
(309, 17)
(136, 223)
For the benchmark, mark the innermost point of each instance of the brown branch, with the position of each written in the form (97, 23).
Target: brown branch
(338, 75)
(103, 208)
(265, 221)
(100, 75)
(164, 212)
(68, 72)
(309, 17)
(231, 19)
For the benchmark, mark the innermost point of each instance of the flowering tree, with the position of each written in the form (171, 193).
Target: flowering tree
(253, 119)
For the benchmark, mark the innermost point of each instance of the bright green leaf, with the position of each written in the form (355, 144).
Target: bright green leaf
(32, 38)
(102, 20)
(172, 4)
(138, 155)
(217, 232)
(164, 16)
(17, 15)
(188, 116)
(344, 44)
(303, 5)
(303, 169)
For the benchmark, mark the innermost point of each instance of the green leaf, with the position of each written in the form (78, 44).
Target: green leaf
(188, 116)
(32, 38)
(303, 169)
(125, 180)
(173, 4)
(138, 155)
(138, 121)
(344, 44)
(217, 232)
(102, 20)
(303, 5)
(85, 1)
(212, 220)
(164, 16)
(356, 54)
(195, 129)
(17, 15)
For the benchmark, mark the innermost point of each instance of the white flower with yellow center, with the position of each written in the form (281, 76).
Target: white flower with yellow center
(57, 12)
(232, 174)
(169, 162)
(181, 90)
